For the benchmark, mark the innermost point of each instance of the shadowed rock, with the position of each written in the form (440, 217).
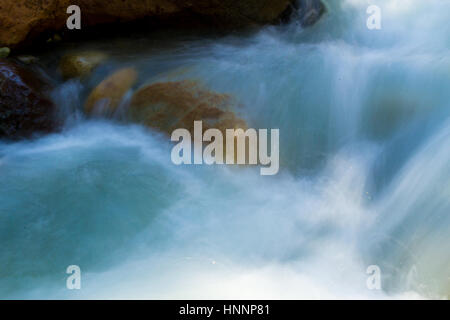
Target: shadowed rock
(24, 104)
(21, 21)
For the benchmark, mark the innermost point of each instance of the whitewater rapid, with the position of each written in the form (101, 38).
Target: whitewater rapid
(364, 123)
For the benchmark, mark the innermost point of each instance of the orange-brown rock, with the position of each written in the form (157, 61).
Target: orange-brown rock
(167, 106)
(80, 64)
(110, 92)
(23, 20)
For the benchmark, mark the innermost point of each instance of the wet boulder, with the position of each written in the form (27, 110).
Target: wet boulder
(25, 106)
(106, 97)
(167, 106)
(80, 64)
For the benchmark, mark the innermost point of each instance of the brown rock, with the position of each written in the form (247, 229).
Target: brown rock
(167, 106)
(110, 92)
(23, 20)
(24, 105)
(81, 64)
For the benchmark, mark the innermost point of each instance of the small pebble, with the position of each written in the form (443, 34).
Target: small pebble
(4, 52)
(27, 59)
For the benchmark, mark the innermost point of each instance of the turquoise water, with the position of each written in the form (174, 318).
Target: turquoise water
(364, 125)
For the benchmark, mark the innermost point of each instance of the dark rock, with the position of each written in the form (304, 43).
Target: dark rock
(27, 59)
(310, 11)
(25, 108)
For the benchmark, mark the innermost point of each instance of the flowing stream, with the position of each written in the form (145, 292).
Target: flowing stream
(364, 119)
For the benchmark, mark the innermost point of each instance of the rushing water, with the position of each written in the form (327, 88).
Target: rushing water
(364, 123)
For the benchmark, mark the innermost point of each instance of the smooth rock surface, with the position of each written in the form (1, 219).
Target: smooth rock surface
(110, 92)
(81, 64)
(167, 106)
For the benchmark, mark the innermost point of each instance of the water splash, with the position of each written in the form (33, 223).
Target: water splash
(363, 121)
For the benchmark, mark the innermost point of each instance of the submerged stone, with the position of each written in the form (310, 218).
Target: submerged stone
(110, 92)
(310, 11)
(27, 59)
